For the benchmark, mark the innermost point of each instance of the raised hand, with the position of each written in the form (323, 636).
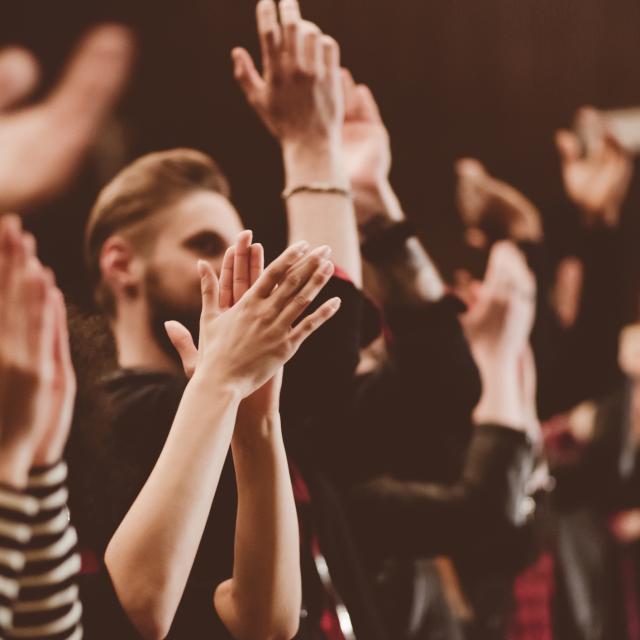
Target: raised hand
(299, 94)
(246, 344)
(486, 203)
(500, 319)
(367, 148)
(299, 97)
(365, 137)
(243, 264)
(498, 325)
(37, 385)
(42, 145)
(596, 174)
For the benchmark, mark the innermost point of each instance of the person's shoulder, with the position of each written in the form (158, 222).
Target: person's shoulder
(135, 394)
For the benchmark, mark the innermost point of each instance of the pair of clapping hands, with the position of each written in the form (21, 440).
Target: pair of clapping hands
(37, 382)
(247, 330)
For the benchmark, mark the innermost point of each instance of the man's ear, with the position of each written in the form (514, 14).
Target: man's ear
(121, 268)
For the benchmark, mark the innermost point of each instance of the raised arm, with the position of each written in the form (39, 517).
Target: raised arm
(403, 271)
(68, 119)
(241, 348)
(38, 560)
(267, 545)
(490, 495)
(299, 98)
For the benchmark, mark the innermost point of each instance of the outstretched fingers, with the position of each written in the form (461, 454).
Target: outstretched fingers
(226, 279)
(210, 290)
(310, 290)
(291, 29)
(276, 271)
(298, 276)
(313, 322)
(241, 265)
(247, 75)
(270, 35)
(257, 262)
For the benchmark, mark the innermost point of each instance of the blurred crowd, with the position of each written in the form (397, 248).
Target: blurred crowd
(338, 444)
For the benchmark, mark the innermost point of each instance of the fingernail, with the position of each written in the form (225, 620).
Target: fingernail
(324, 251)
(336, 303)
(326, 267)
(302, 247)
(202, 268)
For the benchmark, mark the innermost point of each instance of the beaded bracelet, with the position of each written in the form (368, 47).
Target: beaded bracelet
(317, 187)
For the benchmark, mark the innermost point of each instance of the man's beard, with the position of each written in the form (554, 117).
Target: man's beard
(163, 309)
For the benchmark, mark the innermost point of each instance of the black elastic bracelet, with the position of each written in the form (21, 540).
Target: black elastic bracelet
(385, 244)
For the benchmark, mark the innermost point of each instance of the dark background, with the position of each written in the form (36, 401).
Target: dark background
(488, 78)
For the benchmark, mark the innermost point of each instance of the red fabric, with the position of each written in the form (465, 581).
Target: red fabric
(343, 275)
(533, 594)
(329, 623)
(89, 564)
(630, 588)
(330, 626)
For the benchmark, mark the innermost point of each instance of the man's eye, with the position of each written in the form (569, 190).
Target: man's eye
(208, 245)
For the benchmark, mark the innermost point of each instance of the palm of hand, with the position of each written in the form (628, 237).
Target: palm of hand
(292, 109)
(366, 146)
(501, 315)
(585, 186)
(481, 197)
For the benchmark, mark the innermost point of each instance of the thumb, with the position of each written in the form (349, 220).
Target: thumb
(568, 146)
(476, 238)
(19, 72)
(246, 74)
(183, 343)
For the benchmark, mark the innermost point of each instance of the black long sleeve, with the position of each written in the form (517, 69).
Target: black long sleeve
(413, 414)
(426, 519)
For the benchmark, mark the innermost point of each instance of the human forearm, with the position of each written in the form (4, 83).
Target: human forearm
(501, 401)
(428, 519)
(151, 554)
(14, 466)
(263, 598)
(322, 219)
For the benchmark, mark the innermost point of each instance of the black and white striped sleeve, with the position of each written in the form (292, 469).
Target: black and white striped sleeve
(16, 511)
(48, 605)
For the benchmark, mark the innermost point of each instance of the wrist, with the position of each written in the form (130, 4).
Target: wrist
(377, 200)
(15, 463)
(256, 431)
(315, 161)
(223, 386)
(500, 401)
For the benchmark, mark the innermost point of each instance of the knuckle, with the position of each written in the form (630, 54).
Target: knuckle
(301, 300)
(301, 74)
(319, 278)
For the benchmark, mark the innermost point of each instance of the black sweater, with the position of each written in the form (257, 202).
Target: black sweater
(318, 383)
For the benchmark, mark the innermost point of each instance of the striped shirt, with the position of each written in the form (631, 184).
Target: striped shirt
(39, 562)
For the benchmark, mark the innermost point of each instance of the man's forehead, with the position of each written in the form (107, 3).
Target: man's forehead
(201, 212)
